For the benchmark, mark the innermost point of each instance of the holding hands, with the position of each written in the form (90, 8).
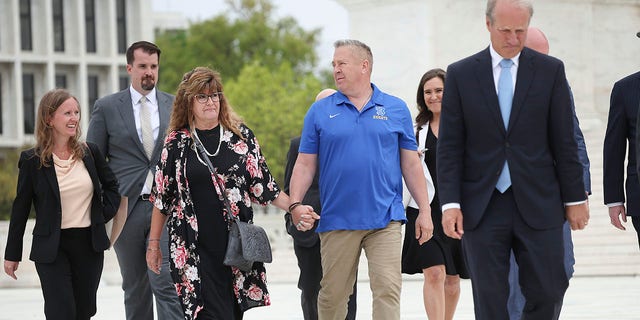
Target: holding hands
(303, 216)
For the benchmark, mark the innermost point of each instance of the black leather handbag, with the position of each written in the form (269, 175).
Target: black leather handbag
(248, 243)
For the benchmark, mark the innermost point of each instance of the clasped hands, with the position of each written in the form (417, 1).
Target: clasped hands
(303, 217)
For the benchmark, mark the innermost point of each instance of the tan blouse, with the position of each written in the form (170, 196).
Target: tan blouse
(76, 190)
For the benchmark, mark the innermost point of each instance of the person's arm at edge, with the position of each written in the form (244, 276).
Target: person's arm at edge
(449, 156)
(565, 150)
(613, 155)
(19, 215)
(301, 178)
(417, 185)
(154, 254)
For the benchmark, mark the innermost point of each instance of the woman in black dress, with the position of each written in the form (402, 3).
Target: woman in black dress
(439, 259)
(186, 197)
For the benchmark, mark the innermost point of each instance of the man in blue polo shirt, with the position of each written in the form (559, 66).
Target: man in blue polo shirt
(362, 141)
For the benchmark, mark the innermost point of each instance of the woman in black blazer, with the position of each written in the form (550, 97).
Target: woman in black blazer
(74, 193)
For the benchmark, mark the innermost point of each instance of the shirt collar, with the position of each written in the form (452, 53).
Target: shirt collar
(374, 100)
(151, 96)
(496, 58)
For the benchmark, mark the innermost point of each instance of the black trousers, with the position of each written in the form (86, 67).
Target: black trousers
(309, 282)
(539, 253)
(70, 283)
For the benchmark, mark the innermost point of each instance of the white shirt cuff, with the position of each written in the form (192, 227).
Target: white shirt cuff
(452, 205)
(614, 204)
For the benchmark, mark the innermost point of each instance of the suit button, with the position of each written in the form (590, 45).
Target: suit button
(507, 144)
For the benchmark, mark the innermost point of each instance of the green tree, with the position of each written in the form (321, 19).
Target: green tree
(8, 181)
(267, 68)
(273, 104)
(246, 32)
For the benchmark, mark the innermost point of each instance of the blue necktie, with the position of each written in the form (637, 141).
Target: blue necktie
(505, 98)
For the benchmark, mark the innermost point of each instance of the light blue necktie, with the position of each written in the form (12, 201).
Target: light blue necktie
(505, 98)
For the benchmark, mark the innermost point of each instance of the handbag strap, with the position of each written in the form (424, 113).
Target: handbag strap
(212, 170)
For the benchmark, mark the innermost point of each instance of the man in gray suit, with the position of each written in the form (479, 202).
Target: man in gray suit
(129, 128)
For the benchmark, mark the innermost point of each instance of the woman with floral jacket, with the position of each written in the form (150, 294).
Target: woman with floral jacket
(190, 200)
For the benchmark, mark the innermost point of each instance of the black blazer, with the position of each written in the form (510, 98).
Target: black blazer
(621, 132)
(539, 144)
(39, 186)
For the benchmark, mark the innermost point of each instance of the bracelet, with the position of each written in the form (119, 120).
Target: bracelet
(154, 239)
(153, 249)
(294, 205)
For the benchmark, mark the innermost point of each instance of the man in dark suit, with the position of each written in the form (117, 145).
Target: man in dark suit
(508, 163)
(622, 131)
(129, 128)
(306, 244)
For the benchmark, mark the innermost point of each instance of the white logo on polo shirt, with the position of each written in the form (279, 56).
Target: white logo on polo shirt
(380, 114)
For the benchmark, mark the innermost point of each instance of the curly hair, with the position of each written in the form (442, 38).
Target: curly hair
(424, 114)
(49, 104)
(198, 80)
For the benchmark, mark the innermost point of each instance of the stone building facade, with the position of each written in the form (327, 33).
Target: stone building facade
(77, 44)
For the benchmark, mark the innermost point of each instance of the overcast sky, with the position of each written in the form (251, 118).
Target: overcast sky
(325, 14)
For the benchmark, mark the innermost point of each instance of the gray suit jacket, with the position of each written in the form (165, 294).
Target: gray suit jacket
(113, 129)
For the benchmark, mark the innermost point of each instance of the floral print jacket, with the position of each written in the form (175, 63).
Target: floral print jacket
(247, 181)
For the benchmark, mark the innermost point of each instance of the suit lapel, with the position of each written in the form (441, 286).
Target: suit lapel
(523, 82)
(125, 107)
(164, 109)
(50, 174)
(484, 73)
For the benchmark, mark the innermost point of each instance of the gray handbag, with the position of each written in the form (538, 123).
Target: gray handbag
(248, 243)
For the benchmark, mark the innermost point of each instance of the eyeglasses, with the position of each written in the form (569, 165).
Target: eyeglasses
(203, 98)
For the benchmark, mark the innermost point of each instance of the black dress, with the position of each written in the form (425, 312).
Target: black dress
(216, 278)
(441, 249)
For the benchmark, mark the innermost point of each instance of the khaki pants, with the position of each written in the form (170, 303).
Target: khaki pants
(340, 251)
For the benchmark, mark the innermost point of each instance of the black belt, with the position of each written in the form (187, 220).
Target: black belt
(144, 197)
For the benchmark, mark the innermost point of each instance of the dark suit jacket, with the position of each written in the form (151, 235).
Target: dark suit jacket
(113, 128)
(621, 132)
(312, 198)
(39, 186)
(539, 144)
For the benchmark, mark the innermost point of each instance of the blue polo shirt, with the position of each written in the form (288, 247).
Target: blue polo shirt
(359, 159)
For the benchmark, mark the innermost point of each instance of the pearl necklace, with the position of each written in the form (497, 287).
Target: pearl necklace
(195, 135)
